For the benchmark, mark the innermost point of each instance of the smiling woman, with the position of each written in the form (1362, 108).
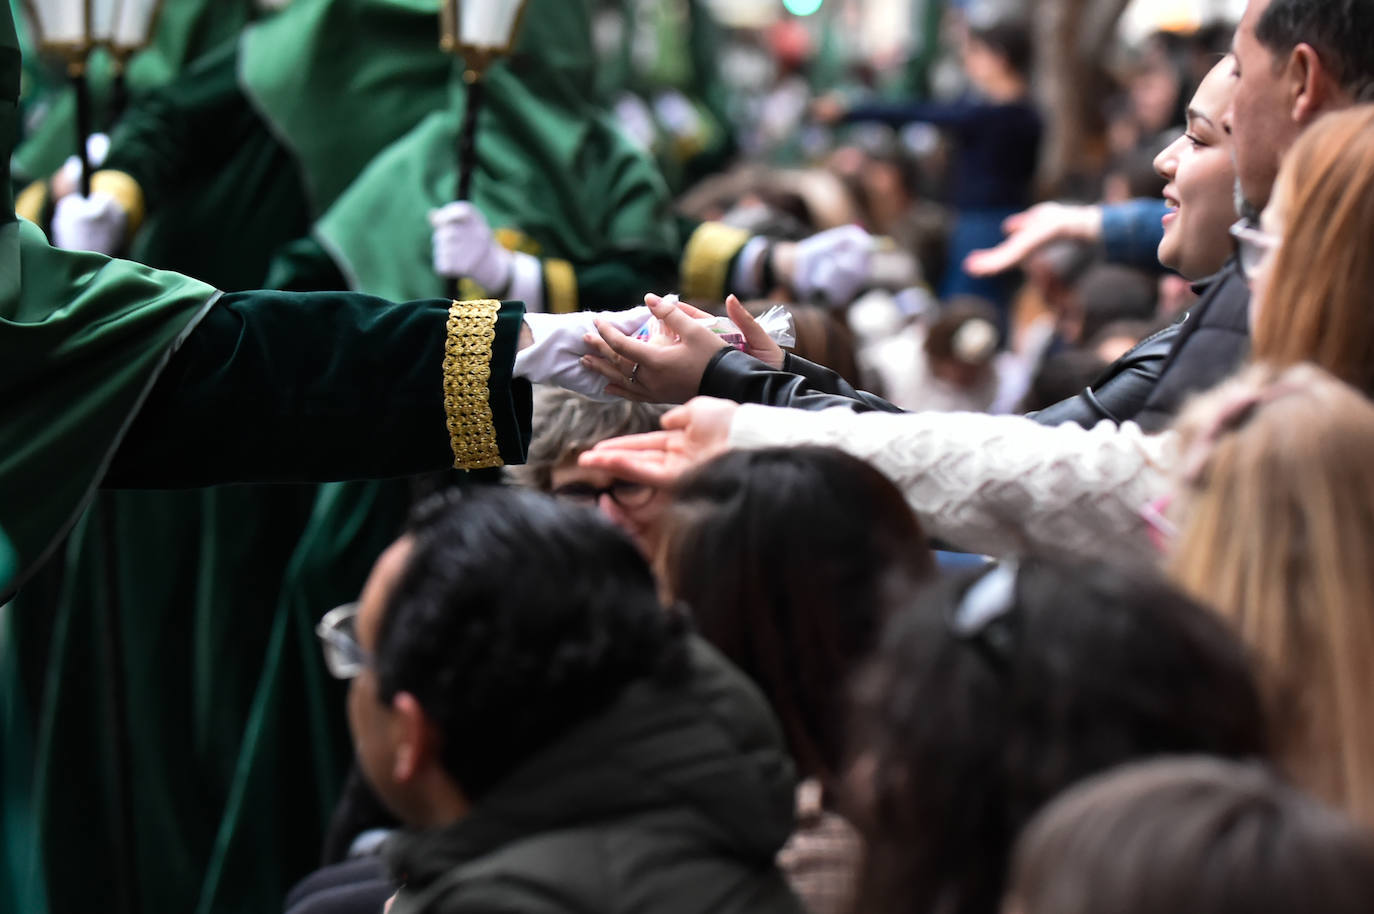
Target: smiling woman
(1201, 178)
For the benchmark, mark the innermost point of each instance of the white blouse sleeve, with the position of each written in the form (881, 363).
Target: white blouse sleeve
(999, 485)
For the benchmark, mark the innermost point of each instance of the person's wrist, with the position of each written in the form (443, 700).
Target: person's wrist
(1089, 224)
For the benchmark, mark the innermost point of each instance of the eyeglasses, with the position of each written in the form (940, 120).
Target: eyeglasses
(337, 631)
(982, 617)
(623, 492)
(1254, 246)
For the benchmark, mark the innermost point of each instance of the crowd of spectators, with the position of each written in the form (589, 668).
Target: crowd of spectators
(1027, 577)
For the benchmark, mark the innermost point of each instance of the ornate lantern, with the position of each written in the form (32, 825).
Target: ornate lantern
(132, 25)
(481, 32)
(72, 29)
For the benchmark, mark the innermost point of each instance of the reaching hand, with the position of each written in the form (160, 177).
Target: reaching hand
(556, 343)
(757, 342)
(691, 435)
(672, 372)
(654, 372)
(1031, 230)
(833, 264)
(465, 247)
(94, 223)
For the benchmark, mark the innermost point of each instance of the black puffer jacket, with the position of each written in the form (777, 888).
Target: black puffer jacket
(675, 801)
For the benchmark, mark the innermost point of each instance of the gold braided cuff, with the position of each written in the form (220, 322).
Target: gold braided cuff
(560, 279)
(706, 260)
(467, 373)
(126, 193)
(30, 202)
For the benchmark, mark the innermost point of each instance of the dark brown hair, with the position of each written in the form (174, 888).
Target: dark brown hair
(1192, 834)
(783, 555)
(963, 731)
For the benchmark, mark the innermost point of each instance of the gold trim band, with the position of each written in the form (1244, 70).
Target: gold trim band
(706, 260)
(560, 279)
(30, 202)
(467, 374)
(126, 193)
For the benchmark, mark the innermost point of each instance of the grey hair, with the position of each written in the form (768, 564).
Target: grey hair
(566, 424)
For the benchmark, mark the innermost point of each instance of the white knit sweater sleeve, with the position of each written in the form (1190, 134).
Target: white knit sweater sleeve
(996, 484)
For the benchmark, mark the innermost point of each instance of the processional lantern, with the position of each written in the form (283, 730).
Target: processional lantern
(71, 30)
(481, 32)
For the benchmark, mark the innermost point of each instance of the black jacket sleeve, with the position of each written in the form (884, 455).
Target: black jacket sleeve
(312, 387)
(1122, 390)
(733, 375)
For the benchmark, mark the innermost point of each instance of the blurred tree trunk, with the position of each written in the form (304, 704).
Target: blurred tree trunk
(1072, 40)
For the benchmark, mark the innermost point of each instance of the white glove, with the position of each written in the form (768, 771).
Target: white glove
(833, 264)
(94, 223)
(465, 247)
(556, 354)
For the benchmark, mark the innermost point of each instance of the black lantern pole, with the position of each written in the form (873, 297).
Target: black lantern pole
(132, 25)
(481, 32)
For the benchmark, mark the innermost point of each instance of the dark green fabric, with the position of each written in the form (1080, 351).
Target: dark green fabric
(222, 193)
(185, 30)
(609, 285)
(297, 371)
(370, 67)
(82, 338)
(9, 562)
(676, 800)
(550, 167)
(239, 744)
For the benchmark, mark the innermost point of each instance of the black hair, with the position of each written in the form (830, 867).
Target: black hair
(1341, 32)
(1110, 292)
(1060, 376)
(961, 738)
(518, 617)
(783, 556)
(1010, 40)
(1197, 834)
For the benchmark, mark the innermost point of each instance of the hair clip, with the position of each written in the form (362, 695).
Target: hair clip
(991, 597)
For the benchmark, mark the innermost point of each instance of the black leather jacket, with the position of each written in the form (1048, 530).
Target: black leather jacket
(1135, 387)
(1121, 391)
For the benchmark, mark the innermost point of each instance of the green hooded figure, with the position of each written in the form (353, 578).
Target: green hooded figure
(185, 29)
(125, 712)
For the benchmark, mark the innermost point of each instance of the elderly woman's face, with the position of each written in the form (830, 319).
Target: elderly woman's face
(633, 507)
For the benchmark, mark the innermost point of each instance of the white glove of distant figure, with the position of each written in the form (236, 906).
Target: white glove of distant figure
(833, 264)
(94, 223)
(465, 248)
(555, 357)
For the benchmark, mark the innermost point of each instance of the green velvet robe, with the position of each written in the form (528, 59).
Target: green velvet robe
(554, 177)
(117, 374)
(238, 774)
(236, 743)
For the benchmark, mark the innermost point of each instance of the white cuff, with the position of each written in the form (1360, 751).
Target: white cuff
(756, 426)
(742, 278)
(526, 282)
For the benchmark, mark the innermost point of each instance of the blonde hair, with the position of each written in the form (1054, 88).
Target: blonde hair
(1318, 305)
(1279, 496)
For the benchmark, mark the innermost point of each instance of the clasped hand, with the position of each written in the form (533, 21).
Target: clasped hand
(670, 371)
